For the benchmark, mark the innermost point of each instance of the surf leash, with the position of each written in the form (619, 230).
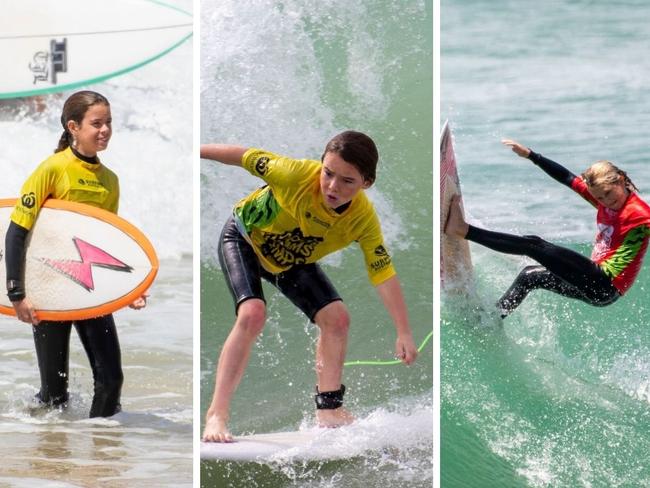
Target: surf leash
(387, 363)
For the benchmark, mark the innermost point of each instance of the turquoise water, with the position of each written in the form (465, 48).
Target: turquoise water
(285, 77)
(559, 393)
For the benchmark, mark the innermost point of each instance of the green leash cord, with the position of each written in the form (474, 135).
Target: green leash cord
(387, 363)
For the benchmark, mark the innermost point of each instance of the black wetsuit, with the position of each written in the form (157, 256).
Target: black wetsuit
(52, 340)
(562, 270)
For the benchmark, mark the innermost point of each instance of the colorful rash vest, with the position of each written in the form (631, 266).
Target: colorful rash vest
(66, 177)
(622, 237)
(288, 223)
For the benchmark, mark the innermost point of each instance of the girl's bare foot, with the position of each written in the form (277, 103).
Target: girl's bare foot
(334, 417)
(216, 430)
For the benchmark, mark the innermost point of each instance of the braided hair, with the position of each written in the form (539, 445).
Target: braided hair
(74, 108)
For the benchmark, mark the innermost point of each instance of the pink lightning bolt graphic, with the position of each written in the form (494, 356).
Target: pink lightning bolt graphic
(80, 271)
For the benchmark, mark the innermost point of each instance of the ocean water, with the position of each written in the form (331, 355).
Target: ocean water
(150, 442)
(558, 394)
(287, 77)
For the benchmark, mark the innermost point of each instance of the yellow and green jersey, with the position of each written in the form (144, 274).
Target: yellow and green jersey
(65, 177)
(288, 222)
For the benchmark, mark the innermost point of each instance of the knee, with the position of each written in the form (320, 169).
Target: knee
(530, 273)
(334, 318)
(251, 316)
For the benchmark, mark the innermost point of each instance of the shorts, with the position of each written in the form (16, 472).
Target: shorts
(305, 285)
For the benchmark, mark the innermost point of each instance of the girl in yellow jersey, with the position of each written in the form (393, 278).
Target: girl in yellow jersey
(73, 173)
(307, 210)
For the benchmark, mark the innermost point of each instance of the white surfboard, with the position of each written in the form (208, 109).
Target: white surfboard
(81, 261)
(260, 447)
(455, 257)
(50, 46)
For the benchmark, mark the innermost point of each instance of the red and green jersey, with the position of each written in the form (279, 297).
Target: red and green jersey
(622, 237)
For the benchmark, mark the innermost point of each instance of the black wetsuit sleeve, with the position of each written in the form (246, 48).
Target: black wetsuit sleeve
(554, 170)
(15, 261)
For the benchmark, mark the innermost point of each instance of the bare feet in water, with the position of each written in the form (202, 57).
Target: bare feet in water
(334, 417)
(216, 430)
(456, 225)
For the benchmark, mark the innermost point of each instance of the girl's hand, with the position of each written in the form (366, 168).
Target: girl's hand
(405, 349)
(140, 302)
(517, 148)
(25, 311)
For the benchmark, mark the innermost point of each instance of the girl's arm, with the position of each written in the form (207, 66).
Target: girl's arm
(224, 153)
(555, 170)
(15, 262)
(390, 293)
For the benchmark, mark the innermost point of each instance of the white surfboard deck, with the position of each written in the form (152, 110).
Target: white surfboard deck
(51, 46)
(80, 262)
(455, 258)
(259, 447)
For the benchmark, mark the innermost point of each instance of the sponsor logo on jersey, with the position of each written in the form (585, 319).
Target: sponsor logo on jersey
(289, 248)
(309, 216)
(261, 165)
(603, 241)
(383, 261)
(381, 251)
(28, 200)
(92, 183)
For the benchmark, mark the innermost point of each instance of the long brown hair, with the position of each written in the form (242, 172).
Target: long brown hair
(607, 173)
(74, 108)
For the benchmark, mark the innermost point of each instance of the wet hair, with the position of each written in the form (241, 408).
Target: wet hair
(357, 149)
(603, 173)
(75, 108)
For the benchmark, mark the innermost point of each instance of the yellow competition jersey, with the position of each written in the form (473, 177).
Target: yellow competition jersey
(66, 177)
(288, 222)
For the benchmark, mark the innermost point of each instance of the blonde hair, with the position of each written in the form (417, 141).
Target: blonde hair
(603, 173)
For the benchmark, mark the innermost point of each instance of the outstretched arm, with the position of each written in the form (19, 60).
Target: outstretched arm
(224, 153)
(391, 295)
(555, 170)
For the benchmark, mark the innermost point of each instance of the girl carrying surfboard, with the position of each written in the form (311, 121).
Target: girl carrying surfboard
(73, 173)
(307, 209)
(623, 221)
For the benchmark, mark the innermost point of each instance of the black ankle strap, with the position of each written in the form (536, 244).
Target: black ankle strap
(329, 400)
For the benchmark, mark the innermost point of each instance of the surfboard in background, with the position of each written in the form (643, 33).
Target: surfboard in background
(55, 46)
(81, 261)
(455, 257)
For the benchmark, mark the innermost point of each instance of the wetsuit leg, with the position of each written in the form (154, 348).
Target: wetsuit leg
(531, 278)
(99, 338)
(307, 286)
(240, 265)
(579, 277)
(52, 342)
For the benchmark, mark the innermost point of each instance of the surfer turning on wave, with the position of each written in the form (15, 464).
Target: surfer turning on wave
(73, 173)
(307, 209)
(623, 221)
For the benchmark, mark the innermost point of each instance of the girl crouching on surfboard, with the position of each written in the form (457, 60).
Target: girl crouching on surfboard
(307, 209)
(73, 173)
(623, 221)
